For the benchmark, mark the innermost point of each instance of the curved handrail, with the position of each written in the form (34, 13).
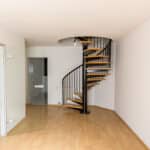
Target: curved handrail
(72, 71)
(72, 83)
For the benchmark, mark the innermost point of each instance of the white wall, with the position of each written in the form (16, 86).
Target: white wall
(61, 60)
(15, 77)
(104, 92)
(133, 81)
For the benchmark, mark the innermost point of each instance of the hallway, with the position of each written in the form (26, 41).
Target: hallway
(56, 128)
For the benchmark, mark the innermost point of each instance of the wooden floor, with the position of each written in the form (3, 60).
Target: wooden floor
(57, 128)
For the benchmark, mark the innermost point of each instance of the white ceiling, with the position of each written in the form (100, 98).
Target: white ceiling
(46, 21)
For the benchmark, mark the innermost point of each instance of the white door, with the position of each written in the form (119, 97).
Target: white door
(2, 93)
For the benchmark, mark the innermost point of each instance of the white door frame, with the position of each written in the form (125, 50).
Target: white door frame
(3, 124)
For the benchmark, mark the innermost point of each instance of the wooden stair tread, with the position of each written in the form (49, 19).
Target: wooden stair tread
(86, 42)
(93, 49)
(95, 56)
(97, 63)
(97, 74)
(78, 94)
(95, 79)
(73, 106)
(98, 68)
(75, 100)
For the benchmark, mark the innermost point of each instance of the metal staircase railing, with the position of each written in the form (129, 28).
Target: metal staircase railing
(71, 84)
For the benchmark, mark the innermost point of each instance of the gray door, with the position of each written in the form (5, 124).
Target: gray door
(37, 77)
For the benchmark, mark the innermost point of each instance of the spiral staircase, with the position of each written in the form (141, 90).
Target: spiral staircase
(94, 69)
